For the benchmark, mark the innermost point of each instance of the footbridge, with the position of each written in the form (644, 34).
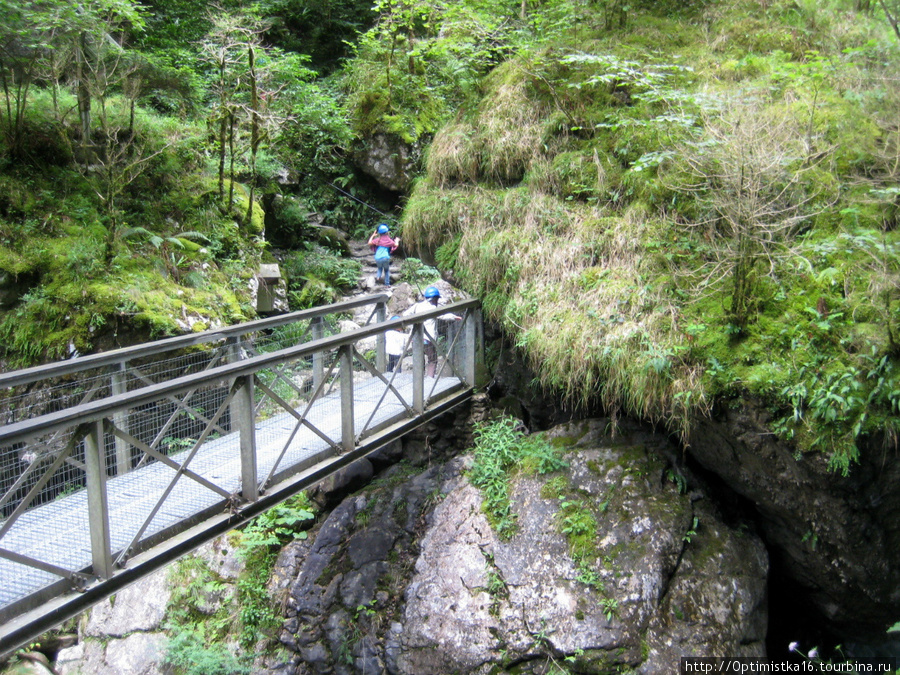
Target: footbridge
(114, 464)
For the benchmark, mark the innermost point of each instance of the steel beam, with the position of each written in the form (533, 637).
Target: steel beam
(98, 508)
(348, 433)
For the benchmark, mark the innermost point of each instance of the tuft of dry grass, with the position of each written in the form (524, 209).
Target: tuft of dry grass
(501, 141)
(570, 281)
(454, 156)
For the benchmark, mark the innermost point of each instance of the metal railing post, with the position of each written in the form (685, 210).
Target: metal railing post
(98, 507)
(418, 354)
(348, 431)
(243, 412)
(232, 355)
(118, 386)
(380, 358)
(471, 329)
(318, 331)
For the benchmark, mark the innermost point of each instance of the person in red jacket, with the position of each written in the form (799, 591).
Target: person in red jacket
(382, 245)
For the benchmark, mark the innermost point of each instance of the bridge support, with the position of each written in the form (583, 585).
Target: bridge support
(98, 508)
(348, 429)
(243, 411)
(418, 349)
(472, 323)
(119, 386)
(317, 325)
(380, 341)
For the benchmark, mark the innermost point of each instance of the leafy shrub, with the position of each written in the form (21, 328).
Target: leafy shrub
(189, 654)
(280, 524)
(261, 539)
(418, 273)
(316, 276)
(319, 263)
(500, 446)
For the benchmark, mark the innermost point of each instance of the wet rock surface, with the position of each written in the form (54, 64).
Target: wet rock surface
(407, 576)
(838, 538)
(390, 160)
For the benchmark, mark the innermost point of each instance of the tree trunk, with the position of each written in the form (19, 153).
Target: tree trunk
(223, 129)
(892, 18)
(230, 157)
(254, 129)
(84, 97)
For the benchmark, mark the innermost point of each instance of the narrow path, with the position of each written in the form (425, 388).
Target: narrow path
(359, 250)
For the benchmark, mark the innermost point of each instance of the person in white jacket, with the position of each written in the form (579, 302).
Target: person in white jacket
(394, 346)
(431, 298)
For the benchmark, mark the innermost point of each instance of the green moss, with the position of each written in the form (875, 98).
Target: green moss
(15, 263)
(555, 487)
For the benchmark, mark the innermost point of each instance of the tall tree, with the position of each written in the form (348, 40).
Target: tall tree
(750, 175)
(245, 86)
(892, 11)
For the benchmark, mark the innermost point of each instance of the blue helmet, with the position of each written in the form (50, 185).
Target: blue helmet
(383, 229)
(431, 292)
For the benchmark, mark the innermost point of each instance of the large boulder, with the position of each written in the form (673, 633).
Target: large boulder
(389, 160)
(409, 577)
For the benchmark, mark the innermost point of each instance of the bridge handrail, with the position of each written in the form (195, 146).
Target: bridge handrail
(96, 410)
(81, 363)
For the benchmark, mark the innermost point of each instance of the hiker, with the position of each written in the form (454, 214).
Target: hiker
(383, 246)
(394, 346)
(431, 298)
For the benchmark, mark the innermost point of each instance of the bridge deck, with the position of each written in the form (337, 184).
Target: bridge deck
(62, 525)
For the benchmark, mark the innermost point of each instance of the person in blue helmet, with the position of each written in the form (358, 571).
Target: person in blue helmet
(432, 296)
(383, 246)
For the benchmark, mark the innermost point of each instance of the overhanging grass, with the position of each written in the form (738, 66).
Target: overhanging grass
(606, 266)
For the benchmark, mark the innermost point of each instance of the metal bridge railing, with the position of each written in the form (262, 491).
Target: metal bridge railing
(56, 386)
(33, 392)
(208, 442)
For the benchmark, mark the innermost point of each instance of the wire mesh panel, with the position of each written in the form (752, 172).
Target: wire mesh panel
(297, 421)
(25, 402)
(43, 498)
(180, 447)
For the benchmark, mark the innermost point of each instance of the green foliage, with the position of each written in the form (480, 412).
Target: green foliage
(201, 637)
(190, 654)
(258, 615)
(501, 449)
(198, 639)
(280, 524)
(833, 406)
(447, 254)
(418, 273)
(316, 261)
(610, 606)
(319, 28)
(316, 276)
(651, 245)
(576, 521)
(692, 530)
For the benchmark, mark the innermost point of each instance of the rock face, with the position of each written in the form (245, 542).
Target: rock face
(389, 160)
(410, 578)
(839, 537)
(123, 634)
